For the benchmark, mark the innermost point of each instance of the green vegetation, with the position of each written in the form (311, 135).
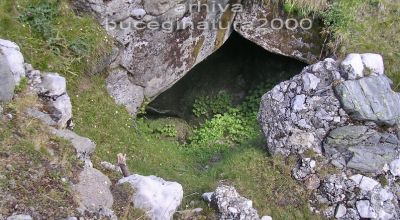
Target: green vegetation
(358, 26)
(33, 162)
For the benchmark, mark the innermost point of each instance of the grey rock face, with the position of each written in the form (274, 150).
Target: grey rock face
(158, 198)
(14, 58)
(52, 92)
(93, 192)
(305, 45)
(53, 85)
(155, 59)
(60, 110)
(230, 205)
(124, 92)
(7, 82)
(297, 114)
(370, 99)
(361, 148)
(84, 146)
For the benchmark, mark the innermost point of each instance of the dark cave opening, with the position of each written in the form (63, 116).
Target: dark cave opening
(236, 68)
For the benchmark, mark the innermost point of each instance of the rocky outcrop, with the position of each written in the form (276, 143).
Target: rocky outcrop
(152, 59)
(347, 112)
(160, 41)
(297, 114)
(52, 91)
(158, 198)
(92, 191)
(264, 23)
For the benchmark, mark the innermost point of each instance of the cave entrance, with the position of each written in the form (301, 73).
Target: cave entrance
(236, 68)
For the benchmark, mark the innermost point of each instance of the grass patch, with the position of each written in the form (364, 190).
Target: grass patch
(33, 162)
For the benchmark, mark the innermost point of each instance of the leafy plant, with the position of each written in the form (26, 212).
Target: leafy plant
(168, 130)
(40, 17)
(206, 106)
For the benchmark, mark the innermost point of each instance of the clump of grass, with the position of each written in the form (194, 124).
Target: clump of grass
(304, 7)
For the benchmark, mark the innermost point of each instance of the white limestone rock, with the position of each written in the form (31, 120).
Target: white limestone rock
(159, 198)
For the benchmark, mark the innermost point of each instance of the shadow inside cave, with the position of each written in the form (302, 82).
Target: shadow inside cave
(236, 68)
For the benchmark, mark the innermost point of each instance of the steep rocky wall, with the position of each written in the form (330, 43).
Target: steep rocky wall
(150, 61)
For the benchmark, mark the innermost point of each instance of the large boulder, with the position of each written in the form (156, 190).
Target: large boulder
(260, 22)
(297, 114)
(14, 58)
(155, 58)
(158, 198)
(7, 82)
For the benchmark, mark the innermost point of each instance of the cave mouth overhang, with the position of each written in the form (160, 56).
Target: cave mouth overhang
(236, 68)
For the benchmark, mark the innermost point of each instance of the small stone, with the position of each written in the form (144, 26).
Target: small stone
(368, 184)
(9, 167)
(365, 210)
(340, 211)
(352, 66)
(395, 167)
(20, 217)
(310, 82)
(312, 182)
(207, 196)
(266, 217)
(9, 116)
(298, 103)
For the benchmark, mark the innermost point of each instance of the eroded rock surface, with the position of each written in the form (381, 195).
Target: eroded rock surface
(155, 59)
(297, 114)
(256, 23)
(361, 148)
(93, 192)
